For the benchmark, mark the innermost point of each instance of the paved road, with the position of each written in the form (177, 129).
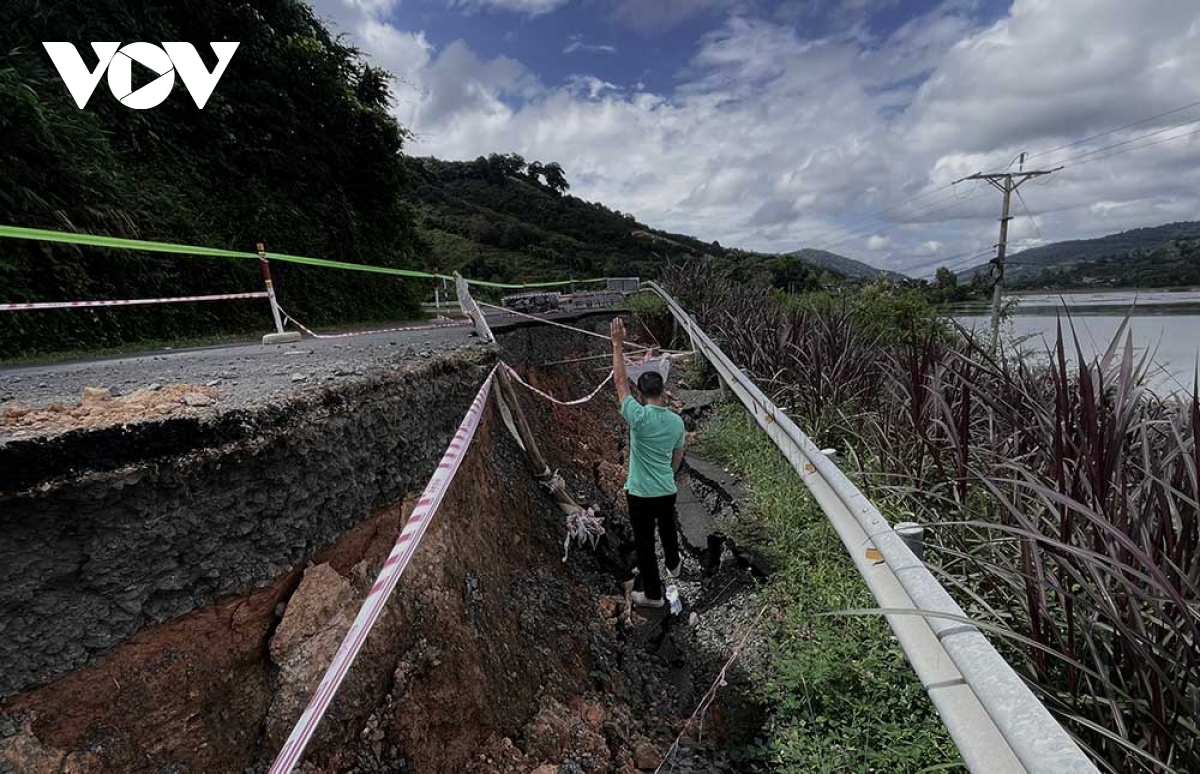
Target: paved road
(246, 374)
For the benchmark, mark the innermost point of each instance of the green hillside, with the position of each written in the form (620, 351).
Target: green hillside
(1028, 263)
(1174, 264)
(504, 219)
(849, 267)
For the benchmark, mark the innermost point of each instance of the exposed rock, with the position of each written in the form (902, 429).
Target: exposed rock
(14, 411)
(197, 399)
(321, 599)
(95, 394)
(646, 757)
(610, 607)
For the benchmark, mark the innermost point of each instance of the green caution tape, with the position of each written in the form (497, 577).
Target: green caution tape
(118, 243)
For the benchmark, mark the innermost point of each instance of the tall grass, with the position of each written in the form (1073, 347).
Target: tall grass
(1062, 494)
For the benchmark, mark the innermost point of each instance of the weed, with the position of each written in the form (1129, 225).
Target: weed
(842, 696)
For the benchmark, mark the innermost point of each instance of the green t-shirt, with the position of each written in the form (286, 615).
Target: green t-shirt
(654, 433)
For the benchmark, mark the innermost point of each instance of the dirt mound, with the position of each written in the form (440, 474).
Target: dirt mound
(98, 407)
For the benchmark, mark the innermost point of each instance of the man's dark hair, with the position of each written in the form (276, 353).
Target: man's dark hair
(650, 384)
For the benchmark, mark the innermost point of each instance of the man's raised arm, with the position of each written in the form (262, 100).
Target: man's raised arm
(617, 330)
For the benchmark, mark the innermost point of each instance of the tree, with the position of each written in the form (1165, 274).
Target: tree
(556, 179)
(295, 147)
(945, 279)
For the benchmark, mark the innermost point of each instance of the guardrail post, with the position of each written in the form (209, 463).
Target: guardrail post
(280, 336)
(913, 535)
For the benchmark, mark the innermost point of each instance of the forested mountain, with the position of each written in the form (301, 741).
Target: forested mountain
(1174, 264)
(502, 218)
(1027, 263)
(296, 147)
(843, 265)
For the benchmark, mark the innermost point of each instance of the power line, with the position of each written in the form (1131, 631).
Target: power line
(968, 262)
(952, 262)
(874, 216)
(1113, 131)
(1006, 183)
(1137, 147)
(853, 231)
(1033, 220)
(861, 227)
(1155, 133)
(930, 209)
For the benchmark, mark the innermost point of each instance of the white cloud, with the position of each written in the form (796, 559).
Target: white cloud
(775, 141)
(590, 85)
(404, 54)
(576, 44)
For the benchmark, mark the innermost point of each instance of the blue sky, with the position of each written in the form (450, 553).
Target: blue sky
(836, 124)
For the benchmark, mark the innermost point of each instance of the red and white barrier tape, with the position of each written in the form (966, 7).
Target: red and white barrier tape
(372, 607)
(548, 322)
(127, 302)
(511, 372)
(633, 345)
(402, 329)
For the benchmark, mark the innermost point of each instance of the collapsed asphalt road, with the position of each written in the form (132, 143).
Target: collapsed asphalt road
(242, 376)
(245, 374)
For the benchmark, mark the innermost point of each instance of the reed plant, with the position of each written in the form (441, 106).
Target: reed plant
(1059, 490)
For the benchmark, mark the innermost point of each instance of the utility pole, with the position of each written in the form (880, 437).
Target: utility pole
(1006, 183)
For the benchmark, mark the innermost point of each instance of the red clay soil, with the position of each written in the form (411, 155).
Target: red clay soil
(443, 673)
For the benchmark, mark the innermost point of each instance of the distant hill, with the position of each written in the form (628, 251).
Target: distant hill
(1028, 263)
(504, 219)
(840, 264)
(1174, 264)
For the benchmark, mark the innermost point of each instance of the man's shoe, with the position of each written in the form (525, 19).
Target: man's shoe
(676, 571)
(641, 600)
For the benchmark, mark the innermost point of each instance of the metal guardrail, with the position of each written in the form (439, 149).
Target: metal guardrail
(996, 721)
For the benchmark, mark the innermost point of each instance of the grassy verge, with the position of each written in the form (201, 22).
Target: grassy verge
(841, 694)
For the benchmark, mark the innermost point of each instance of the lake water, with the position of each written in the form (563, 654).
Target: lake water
(1166, 323)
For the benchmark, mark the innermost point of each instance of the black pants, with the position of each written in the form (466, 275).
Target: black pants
(645, 513)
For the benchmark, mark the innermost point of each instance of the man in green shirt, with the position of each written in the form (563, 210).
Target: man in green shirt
(656, 440)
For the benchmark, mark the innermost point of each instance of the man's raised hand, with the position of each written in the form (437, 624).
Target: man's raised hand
(616, 329)
(620, 377)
